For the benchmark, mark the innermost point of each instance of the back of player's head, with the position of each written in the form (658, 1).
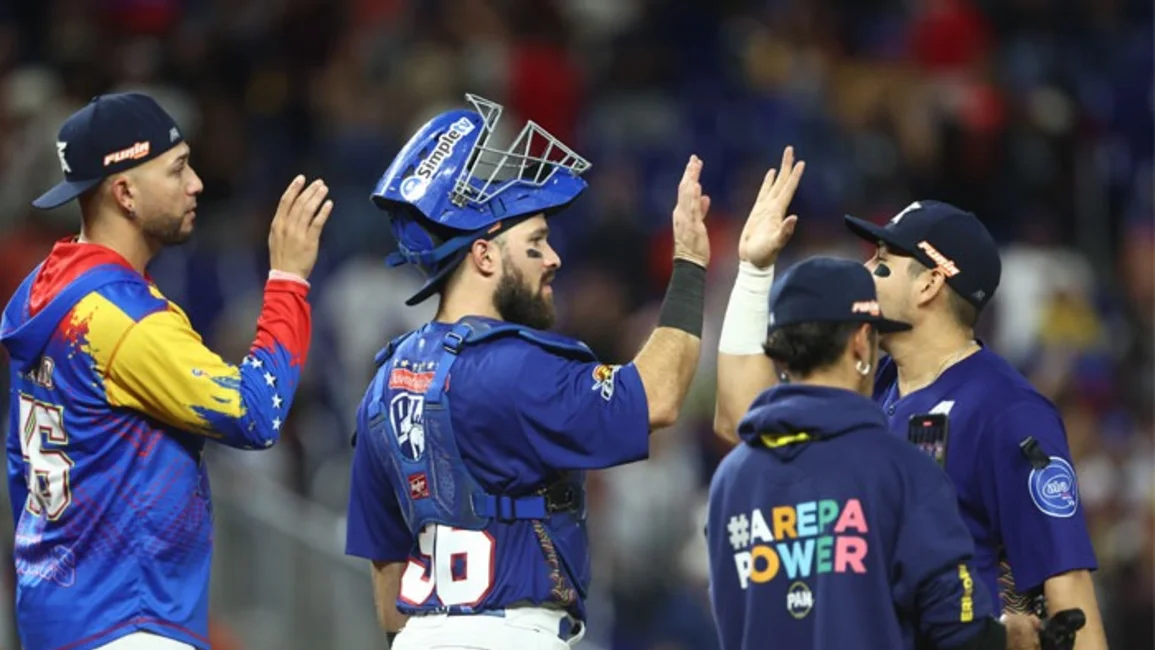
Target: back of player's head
(803, 348)
(450, 185)
(815, 308)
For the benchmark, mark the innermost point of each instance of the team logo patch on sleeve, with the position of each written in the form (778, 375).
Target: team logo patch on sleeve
(1054, 489)
(604, 377)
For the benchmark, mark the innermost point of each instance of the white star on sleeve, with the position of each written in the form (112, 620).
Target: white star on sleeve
(277, 401)
(269, 379)
(276, 424)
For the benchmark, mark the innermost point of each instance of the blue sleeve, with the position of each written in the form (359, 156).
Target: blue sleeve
(17, 482)
(582, 415)
(375, 528)
(935, 579)
(1042, 525)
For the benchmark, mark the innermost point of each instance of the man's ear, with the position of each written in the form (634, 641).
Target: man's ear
(121, 189)
(485, 256)
(861, 343)
(928, 286)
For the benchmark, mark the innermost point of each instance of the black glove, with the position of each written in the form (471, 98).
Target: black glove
(1058, 632)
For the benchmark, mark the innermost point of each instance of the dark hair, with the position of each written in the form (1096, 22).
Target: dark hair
(964, 313)
(803, 348)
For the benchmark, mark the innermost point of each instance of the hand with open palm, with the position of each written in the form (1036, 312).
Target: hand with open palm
(691, 239)
(768, 229)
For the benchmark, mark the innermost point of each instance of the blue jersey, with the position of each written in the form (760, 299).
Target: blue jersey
(825, 533)
(113, 396)
(523, 416)
(1020, 515)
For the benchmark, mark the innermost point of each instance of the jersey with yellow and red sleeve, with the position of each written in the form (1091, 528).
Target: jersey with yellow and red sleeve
(113, 396)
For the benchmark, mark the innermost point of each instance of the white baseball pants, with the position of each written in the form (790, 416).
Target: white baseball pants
(145, 641)
(523, 628)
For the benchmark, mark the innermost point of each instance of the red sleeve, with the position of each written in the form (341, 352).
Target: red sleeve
(285, 319)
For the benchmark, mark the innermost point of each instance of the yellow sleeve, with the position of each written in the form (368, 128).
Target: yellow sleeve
(152, 361)
(162, 368)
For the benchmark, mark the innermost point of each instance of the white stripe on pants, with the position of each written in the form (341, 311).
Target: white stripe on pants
(145, 641)
(522, 628)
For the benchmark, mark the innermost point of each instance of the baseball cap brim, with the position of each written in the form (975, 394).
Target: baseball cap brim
(63, 192)
(887, 326)
(879, 323)
(874, 233)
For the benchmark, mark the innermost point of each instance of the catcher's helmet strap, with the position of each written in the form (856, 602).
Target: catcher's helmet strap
(432, 259)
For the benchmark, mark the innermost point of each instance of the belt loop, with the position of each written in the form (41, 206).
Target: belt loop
(571, 630)
(507, 508)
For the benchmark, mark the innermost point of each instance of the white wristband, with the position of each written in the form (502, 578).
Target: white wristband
(748, 312)
(274, 274)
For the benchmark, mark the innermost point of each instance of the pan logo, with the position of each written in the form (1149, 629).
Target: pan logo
(799, 600)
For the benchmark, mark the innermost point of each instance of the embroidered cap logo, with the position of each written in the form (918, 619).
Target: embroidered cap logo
(135, 152)
(942, 262)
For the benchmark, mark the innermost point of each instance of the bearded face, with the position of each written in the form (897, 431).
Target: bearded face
(167, 197)
(528, 265)
(522, 301)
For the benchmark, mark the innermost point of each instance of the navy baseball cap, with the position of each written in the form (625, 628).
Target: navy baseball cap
(941, 236)
(111, 134)
(829, 290)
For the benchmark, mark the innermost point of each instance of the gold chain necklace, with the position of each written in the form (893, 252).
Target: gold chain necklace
(953, 359)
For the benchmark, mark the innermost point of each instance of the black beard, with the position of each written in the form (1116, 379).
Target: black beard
(515, 303)
(167, 233)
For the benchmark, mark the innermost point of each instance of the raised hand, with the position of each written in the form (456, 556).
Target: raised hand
(768, 229)
(295, 234)
(691, 241)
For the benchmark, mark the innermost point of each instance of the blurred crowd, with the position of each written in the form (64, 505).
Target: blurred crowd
(1035, 114)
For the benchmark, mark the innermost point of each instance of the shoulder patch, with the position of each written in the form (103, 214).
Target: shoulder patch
(1054, 489)
(604, 377)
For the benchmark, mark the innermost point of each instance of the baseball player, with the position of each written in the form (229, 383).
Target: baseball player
(824, 532)
(114, 395)
(472, 440)
(936, 267)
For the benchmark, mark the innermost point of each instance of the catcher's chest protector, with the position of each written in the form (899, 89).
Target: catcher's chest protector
(409, 413)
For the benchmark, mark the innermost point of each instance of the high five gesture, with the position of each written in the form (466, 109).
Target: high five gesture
(768, 229)
(743, 371)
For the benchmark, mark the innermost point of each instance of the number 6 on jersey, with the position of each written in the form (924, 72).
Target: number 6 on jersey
(462, 567)
(41, 425)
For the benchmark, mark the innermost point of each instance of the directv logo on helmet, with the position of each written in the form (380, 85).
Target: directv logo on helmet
(443, 181)
(414, 187)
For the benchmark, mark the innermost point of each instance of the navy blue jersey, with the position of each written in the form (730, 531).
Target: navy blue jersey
(826, 533)
(521, 416)
(1028, 516)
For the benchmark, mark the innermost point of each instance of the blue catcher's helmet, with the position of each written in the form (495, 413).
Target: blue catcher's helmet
(450, 186)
